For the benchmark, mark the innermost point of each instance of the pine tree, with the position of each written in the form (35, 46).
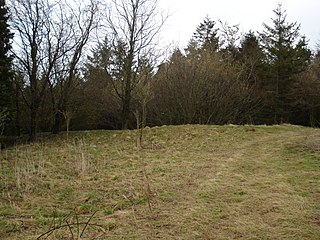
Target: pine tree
(6, 87)
(205, 37)
(251, 56)
(286, 56)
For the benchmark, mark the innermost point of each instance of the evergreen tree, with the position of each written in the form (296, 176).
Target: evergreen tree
(286, 56)
(6, 87)
(205, 37)
(250, 52)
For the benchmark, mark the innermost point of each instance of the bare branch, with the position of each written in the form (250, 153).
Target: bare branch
(133, 25)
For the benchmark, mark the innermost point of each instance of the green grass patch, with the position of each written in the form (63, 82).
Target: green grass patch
(187, 182)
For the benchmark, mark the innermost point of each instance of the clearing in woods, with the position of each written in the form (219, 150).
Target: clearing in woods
(187, 182)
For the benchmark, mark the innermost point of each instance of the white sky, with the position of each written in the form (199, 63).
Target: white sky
(186, 15)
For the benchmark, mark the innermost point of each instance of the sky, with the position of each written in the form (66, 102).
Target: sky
(186, 15)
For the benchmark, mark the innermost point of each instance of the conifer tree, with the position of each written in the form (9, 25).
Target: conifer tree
(286, 56)
(206, 35)
(251, 59)
(205, 38)
(6, 88)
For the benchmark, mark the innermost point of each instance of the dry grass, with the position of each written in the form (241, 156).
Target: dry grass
(189, 182)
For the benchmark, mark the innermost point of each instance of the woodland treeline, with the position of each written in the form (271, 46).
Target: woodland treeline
(60, 71)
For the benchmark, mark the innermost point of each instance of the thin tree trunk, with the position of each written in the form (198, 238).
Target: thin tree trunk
(17, 117)
(312, 117)
(125, 112)
(58, 120)
(33, 123)
(127, 92)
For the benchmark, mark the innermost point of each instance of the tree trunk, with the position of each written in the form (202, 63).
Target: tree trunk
(33, 123)
(127, 92)
(60, 109)
(58, 121)
(17, 115)
(125, 111)
(312, 117)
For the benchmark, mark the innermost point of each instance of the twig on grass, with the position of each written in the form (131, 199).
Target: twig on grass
(70, 225)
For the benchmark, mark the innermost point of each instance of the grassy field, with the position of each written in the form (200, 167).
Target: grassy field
(188, 182)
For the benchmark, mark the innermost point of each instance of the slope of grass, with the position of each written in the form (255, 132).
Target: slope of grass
(188, 182)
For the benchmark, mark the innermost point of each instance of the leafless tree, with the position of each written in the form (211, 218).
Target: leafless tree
(306, 91)
(201, 90)
(230, 37)
(71, 34)
(49, 42)
(28, 19)
(133, 26)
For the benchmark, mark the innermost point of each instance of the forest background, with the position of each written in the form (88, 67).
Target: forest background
(69, 65)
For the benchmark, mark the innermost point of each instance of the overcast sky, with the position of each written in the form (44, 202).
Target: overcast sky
(250, 14)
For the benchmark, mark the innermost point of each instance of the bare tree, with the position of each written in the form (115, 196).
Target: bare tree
(144, 96)
(28, 20)
(49, 41)
(72, 33)
(133, 26)
(201, 90)
(306, 92)
(230, 37)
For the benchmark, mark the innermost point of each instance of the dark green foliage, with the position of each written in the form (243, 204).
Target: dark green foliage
(100, 109)
(6, 86)
(252, 57)
(286, 56)
(205, 37)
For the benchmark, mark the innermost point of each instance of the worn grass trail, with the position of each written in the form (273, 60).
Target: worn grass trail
(188, 182)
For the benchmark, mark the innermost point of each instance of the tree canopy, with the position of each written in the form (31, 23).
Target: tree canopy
(59, 77)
